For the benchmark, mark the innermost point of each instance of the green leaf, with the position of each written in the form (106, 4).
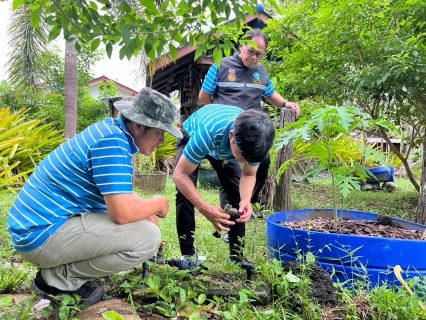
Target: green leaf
(54, 32)
(17, 3)
(150, 5)
(201, 298)
(77, 46)
(112, 315)
(153, 282)
(125, 34)
(108, 49)
(35, 18)
(149, 45)
(164, 6)
(95, 44)
(274, 4)
(198, 53)
(217, 56)
(66, 299)
(64, 22)
(182, 295)
(122, 53)
(292, 278)
(64, 312)
(173, 52)
(125, 285)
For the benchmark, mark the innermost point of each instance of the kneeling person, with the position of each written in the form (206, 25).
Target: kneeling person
(77, 218)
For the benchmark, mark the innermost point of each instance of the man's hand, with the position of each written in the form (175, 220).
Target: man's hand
(245, 210)
(165, 209)
(277, 100)
(128, 208)
(294, 106)
(217, 217)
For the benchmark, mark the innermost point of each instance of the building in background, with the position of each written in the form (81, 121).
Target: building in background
(186, 75)
(122, 90)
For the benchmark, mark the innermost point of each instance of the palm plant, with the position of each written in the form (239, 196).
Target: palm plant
(25, 66)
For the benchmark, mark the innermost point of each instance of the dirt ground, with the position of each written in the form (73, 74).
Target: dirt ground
(322, 288)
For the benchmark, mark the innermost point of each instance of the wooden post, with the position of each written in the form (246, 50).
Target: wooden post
(282, 195)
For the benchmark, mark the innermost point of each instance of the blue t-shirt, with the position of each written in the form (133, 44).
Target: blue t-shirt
(73, 179)
(209, 130)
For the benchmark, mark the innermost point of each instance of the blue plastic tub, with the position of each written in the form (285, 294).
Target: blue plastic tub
(382, 174)
(348, 257)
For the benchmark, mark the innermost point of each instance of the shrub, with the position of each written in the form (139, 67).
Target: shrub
(23, 144)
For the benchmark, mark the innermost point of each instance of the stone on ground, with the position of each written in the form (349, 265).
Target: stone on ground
(95, 312)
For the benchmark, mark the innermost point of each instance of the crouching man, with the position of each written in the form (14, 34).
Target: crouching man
(77, 218)
(221, 134)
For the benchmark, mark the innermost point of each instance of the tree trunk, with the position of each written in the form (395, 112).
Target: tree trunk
(404, 159)
(71, 89)
(282, 196)
(421, 209)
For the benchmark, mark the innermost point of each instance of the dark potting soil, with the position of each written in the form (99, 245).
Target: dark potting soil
(322, 288)
(382, 227)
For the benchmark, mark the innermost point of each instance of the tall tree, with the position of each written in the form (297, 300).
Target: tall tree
(71, 89)
(366, 52)
(421, 209)
(157, 27)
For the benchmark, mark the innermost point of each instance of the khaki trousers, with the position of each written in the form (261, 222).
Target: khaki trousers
(89, 246)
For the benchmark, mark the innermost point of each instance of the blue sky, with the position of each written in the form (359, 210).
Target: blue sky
(115, 69)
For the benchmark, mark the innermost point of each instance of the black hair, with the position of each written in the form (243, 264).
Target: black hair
(254, 33)
(254, 135)
(125, 120)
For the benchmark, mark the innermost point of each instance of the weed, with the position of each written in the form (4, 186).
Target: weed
(69, 306)
(184, 294)
(12, 277)
(9, 310)
(389, 302)
(128, 288)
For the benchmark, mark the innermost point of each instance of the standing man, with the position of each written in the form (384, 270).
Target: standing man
(242, 81)
(221, 134)
(77, 218)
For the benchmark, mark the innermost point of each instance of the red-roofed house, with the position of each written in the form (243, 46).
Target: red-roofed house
(122, 90)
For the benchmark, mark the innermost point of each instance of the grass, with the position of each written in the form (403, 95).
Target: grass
(383, 302)
(402, 203)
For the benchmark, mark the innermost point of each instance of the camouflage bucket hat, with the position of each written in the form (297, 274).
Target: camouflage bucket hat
(150, 108)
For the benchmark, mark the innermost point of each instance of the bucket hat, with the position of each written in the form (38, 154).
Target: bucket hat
(151, 108)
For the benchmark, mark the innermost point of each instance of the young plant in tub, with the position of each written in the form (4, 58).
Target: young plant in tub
(331, 134)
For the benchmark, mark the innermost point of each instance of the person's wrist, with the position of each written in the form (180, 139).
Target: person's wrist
(284, 104)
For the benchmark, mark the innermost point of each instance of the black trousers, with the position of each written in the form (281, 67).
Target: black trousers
(261, 176)
(229, 175)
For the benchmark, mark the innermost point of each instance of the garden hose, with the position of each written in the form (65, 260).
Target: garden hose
(397, 271)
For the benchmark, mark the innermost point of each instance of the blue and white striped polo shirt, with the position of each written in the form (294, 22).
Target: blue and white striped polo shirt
(73, 179)
(209, 130)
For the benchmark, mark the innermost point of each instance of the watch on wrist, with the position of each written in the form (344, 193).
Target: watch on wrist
(285, 102)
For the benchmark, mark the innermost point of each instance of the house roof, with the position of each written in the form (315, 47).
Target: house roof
(119, 85)
(250, 20)
(170, 75)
